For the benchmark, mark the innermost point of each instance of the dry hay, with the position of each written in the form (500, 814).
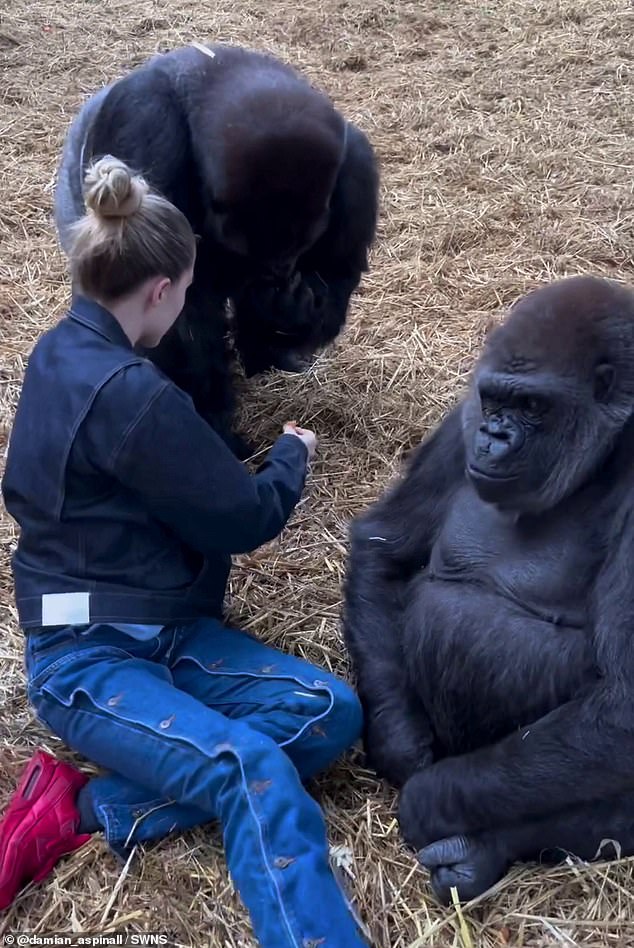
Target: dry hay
(504, 132)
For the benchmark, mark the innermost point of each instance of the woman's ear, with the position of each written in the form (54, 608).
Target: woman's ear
(160, 287)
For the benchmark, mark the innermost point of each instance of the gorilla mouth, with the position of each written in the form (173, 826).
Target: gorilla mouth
(476, 474)
(500, 490)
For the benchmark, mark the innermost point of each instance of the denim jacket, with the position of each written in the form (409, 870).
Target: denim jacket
(129, 505)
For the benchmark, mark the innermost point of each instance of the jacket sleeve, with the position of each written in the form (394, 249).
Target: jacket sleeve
(185, 476)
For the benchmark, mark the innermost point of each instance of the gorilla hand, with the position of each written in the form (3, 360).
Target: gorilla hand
(431, 807)
(397, 745)
(434, 822)
(471, 864)
(279, 323)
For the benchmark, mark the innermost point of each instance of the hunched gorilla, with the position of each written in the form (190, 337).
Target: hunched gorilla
(281, 190)
(489, 602)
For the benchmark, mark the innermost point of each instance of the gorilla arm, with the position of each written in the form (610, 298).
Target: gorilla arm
(274, 324)
(389, 544)
(578, 754)
(333, 268)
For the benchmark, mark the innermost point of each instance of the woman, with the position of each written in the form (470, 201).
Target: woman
(129, 508)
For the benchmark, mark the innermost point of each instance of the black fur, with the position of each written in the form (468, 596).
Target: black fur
(490, 601)
(281, 190)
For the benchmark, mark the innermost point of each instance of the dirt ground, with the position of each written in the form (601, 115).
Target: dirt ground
(504, 131)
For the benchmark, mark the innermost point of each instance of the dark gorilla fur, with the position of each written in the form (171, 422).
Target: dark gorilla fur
(490, 602)
(280, 188)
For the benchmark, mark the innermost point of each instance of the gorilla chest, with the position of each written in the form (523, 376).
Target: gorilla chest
(545, 563)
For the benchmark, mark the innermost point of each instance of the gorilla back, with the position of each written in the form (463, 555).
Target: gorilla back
(490, 600)
(280, 188)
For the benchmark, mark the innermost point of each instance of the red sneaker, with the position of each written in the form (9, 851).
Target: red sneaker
(40, 824)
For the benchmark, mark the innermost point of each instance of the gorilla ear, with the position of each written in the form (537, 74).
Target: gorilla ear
(603, 381)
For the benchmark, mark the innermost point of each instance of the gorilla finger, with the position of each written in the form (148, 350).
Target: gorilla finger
(442, 881)
(464, 879)
(470, 879)
(444, 852)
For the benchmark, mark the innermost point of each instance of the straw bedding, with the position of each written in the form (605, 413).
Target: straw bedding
(504, 130)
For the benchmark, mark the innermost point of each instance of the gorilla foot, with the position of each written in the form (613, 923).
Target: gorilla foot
(470, 864)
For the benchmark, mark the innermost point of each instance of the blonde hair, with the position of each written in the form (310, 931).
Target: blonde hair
(127, 235)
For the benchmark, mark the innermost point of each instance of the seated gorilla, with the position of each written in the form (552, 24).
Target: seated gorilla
(490, 602)
(280, 188)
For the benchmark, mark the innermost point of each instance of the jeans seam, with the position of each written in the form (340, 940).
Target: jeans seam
(111, 825)
(42, 675)
(311, 686)
(311, 721)
(260, 676)
(263, 850)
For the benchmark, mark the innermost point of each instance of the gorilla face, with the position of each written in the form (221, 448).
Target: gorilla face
(272, 185)
(516, 429)
(550, 396)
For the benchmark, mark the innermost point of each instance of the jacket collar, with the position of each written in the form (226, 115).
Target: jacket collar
(96, 317)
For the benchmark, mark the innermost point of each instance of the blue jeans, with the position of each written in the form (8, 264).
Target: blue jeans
(203, 722)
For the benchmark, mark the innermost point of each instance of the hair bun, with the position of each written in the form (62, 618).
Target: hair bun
(112, 190)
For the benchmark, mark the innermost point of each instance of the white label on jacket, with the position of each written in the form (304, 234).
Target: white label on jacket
(66, 609)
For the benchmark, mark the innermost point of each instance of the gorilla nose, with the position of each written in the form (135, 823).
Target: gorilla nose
(495, 428)
(494, 440)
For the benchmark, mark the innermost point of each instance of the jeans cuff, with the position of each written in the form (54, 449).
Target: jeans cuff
(120, 825)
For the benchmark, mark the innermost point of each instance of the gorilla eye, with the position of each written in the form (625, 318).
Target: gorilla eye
(532, 405)
(604, 376)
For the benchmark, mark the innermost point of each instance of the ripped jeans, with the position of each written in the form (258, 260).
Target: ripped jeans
(203, 722)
